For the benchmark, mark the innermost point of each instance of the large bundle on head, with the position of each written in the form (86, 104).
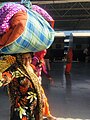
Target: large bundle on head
(23, 30)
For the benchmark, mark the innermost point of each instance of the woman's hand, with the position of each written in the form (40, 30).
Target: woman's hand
(6, 76)
(51, 81)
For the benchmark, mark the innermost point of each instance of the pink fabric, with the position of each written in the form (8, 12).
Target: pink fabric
(39, 57)
(44, 14)
(6, 13)
(38, 68)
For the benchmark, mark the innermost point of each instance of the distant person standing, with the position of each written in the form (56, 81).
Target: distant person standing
(85, 53)
(89, 53)
(69, 58)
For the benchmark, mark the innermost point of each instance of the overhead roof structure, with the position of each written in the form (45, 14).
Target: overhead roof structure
(56, 1)
(68, 14)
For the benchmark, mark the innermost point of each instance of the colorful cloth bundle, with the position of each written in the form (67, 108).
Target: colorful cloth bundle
(6, 13)
(28, 32)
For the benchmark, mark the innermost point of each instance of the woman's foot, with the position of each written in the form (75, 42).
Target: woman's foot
(51, 117)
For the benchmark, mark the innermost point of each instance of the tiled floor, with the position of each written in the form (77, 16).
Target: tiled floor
(69, 97)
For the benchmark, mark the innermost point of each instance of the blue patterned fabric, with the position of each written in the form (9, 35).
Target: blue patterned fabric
(38, 35)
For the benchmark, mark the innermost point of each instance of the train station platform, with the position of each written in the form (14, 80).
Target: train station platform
(69, 96)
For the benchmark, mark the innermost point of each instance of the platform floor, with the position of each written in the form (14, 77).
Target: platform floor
(69, 97)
